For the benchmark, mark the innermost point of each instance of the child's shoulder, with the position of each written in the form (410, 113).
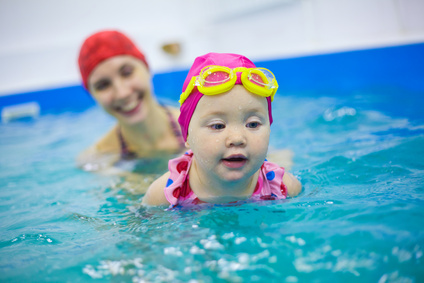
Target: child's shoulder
(155, 194)
(294, 187)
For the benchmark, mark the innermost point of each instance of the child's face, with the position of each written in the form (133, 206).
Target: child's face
(229, 134)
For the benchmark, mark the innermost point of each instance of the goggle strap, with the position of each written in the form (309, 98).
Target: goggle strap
(188, 90)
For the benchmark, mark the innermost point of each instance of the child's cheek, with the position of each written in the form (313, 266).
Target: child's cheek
(216, 145)
(211, 148)
(204, 162)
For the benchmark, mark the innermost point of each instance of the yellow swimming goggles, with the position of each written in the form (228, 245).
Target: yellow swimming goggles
(214, 80)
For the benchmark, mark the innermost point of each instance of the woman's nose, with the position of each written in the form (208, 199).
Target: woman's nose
(236, 137)
(122, 89)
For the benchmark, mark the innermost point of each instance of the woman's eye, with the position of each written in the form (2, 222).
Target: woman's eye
(217, 126)
(252, 125)
(127, 71)
(101, 85)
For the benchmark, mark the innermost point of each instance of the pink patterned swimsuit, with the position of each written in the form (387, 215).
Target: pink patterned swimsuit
(270, 184)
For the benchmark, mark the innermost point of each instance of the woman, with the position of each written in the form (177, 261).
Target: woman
(115, 72)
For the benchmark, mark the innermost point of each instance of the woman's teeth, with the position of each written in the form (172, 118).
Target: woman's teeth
(130, 106)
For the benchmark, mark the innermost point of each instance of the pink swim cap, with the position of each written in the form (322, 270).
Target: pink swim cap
(220, 59)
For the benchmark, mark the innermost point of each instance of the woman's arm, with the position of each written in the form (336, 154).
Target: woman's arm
(101, 155)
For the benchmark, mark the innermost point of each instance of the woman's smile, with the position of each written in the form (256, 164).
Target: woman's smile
(130, 108)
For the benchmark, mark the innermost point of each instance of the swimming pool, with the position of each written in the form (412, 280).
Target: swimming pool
(359, 217)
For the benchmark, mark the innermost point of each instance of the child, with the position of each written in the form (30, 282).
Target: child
(225, 120)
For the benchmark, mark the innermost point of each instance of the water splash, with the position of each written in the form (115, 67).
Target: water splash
(331, 114)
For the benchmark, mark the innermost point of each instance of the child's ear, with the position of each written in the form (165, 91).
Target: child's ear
(187, 144)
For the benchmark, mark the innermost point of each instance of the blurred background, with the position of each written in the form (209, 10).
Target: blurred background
(40, 40)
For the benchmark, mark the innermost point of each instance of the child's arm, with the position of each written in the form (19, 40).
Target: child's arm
(292, 183)
(155, 194)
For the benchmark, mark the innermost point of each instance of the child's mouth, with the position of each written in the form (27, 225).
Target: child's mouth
(234, 161)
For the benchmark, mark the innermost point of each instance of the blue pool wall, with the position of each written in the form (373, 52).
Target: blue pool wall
(396, 68)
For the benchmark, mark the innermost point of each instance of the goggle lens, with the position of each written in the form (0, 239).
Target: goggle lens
(256, 79)
(262, 77)
(215, 78)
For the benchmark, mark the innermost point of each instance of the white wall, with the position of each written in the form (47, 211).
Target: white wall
(40, 39)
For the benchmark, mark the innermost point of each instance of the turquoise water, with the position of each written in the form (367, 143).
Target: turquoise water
(358, 219)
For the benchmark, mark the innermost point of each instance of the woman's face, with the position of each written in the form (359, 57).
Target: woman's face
(122, 86)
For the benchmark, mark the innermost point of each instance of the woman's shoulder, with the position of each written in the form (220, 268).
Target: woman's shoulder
(174, 111)
(109, 143)
(102, 154)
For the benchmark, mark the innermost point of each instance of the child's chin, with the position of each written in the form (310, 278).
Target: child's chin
(234, 177)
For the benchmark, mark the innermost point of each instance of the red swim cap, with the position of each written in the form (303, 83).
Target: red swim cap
(104, 45)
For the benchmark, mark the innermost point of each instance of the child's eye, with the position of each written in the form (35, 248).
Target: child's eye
(217, 126)
(253, 125)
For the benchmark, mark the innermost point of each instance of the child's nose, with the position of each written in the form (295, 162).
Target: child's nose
(236, 137)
